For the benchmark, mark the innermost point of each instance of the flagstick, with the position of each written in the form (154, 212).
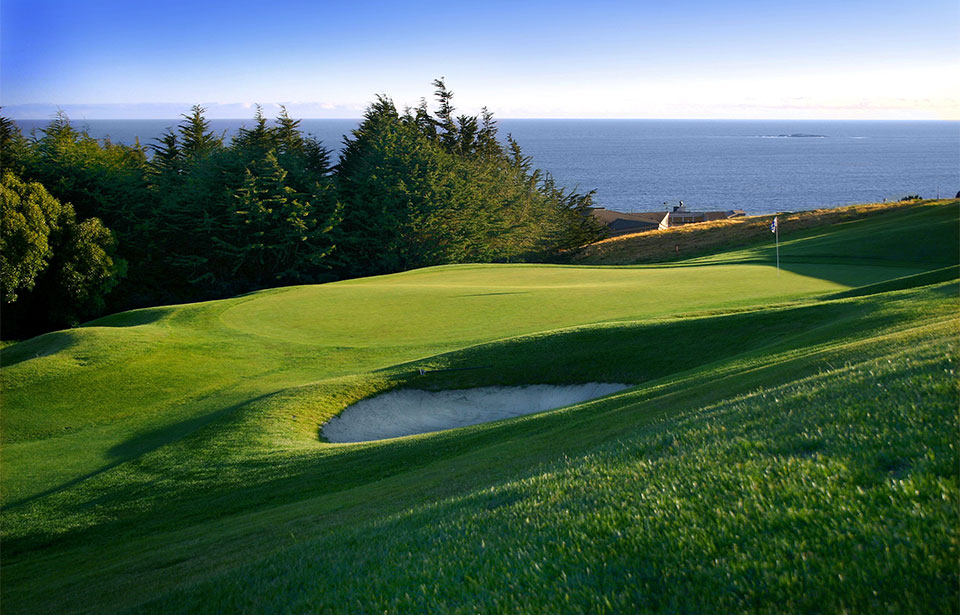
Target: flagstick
(778, 249)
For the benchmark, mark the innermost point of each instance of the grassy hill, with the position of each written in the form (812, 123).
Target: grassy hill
(790, 444)
(695, 240)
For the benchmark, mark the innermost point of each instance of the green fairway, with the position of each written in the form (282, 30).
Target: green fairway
(784, 424)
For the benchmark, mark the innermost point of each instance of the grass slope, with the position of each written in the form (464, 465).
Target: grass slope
(179, 444)
(784, 499)
(710, 238)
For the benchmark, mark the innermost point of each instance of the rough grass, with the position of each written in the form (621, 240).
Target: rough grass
(169, 459)
(696, 240)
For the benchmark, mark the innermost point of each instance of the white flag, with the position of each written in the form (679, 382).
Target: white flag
(773, 225)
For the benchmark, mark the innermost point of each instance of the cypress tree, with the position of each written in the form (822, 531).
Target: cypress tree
(256, 142)
(284, 234)
(13, 147)
(196, 138)
(288, 137)
(445, 121)
(467, 135)
(487, 145)
(166, 166)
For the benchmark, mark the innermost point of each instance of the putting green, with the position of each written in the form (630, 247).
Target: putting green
(474, 303)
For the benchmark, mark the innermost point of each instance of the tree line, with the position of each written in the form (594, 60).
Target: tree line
(90, 226)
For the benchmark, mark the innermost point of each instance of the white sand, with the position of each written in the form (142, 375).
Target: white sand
(406, 412)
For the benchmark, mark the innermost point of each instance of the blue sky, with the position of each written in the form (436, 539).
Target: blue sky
(689, 58)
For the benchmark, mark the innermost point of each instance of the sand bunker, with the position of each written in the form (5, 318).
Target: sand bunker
(406, 412)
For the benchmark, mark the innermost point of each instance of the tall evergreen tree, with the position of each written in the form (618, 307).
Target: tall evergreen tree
(445, 121)
(487, 145)
(374, 183)
(285, 234)
(196, 139)
(467, 135)
(167, 161)
(250, 214)
(13, 147)
(424, 121)
(412, 199)
(289, 139)
(257, 141)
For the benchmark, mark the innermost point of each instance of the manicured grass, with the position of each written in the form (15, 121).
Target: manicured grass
(169, 458)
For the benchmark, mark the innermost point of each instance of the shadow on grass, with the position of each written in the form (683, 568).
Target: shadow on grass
(154, 439)
(848, 272)
(139, 445)
(910, 281)
(36, 347)
(132, 318)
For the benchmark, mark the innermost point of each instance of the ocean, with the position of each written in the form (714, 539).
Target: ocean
(759, 166)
